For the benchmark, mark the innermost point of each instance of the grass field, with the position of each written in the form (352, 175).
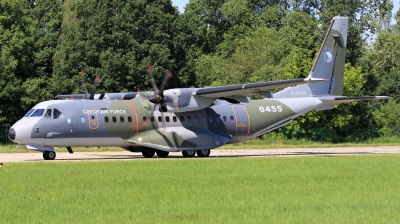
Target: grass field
(343, 189)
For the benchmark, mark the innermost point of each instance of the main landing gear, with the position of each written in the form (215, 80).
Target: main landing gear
(186, 153)
(150, 153)
(200, 153)
(49, 155)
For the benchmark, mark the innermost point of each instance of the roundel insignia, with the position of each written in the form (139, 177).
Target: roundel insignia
(328, 57)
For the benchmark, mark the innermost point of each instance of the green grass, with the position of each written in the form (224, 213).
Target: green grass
(346, 189)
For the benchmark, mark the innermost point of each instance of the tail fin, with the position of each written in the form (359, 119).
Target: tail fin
(328, 65)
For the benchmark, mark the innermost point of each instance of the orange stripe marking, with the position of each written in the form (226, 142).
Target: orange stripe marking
(135, 113)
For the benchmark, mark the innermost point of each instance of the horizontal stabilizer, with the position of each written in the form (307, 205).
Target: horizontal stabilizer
(344, 99)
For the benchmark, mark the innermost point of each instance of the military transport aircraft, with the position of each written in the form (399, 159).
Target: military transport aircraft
(191, 120)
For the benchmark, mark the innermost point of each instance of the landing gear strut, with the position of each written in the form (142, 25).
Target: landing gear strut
(49, 155)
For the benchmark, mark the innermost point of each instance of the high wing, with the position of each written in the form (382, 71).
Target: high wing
(251, 88)
(105, 96)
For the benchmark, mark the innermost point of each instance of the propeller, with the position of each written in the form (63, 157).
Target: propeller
(82, 74)
(97, 80)
(158, 97)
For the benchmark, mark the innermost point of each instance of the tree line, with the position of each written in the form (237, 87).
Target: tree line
(45, 44)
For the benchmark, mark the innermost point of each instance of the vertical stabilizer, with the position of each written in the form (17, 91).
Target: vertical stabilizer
(328, 65)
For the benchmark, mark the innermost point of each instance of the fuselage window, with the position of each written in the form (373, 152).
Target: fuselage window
(48, 113)
(144, 120)
(203, 118)
(38, 113)
(83, 120)
(218, 119)
(57, 114)
(122, 119)
(167, 118)
(224, 118)
(211, 119)
(182, 118)
(196, 118)
(189, 119)
(232, 119)
(174, 119)
(152, 119)
(159, 119)
(114, 119)
(129, 119)
(106, 119)
(29, 112)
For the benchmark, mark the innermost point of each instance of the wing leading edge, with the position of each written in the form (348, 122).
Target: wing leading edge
(252, 88)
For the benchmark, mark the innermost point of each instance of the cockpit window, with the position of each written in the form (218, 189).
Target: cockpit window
(48, 113)
(37, 113)
(57, 114)
(29, 113)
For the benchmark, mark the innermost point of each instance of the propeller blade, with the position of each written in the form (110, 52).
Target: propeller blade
(167, 76)
(152, 81)
(81, 74)
(96, 83)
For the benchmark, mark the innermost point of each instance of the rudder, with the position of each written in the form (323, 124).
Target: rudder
(328, 65)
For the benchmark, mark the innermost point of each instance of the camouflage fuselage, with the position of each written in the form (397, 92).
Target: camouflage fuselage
(130, 123)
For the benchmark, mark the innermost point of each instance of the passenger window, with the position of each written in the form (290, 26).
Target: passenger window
(182, 118)
(167, 118)
(224, 118)
(218, 119)
(144, 120)
(152, 119)
(106, 119)
(232, 119)
(196, 118)
(129, 119)
(83, 120)
(29, 113)
(57, 114)
(159, 119)
(189, 119)
(211, 119)
(48, 113)
(114, 119)
(122, 119)
(38, 113)
(203, 118)
(174, 119)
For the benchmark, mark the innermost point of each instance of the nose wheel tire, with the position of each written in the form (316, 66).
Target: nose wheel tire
(203, 153)
(49, 155)
(148, 153)
(162, 154)
(189, 153)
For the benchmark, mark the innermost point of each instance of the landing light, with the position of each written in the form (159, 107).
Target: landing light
(139, 139)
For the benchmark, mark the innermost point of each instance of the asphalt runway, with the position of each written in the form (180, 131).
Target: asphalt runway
(32, 156)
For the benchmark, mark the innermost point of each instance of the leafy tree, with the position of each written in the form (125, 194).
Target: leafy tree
(116, 41)
(16, 57)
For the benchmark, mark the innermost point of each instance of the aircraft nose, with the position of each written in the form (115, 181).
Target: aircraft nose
(11, 134)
